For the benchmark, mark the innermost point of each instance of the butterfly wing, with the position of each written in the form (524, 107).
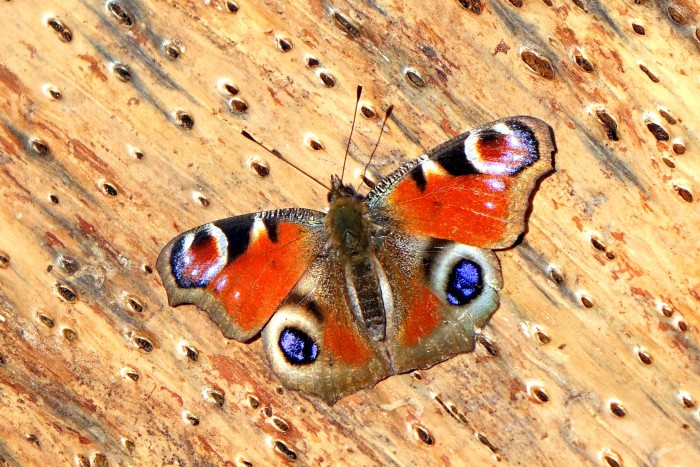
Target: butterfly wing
(240, 269)
(442, 293)
(443, 213)
(315, 344)
(473, 189)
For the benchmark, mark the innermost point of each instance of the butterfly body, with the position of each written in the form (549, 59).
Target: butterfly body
(378, 285)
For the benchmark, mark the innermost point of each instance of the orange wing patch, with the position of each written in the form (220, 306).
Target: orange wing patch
(251, 287)
(471, 209)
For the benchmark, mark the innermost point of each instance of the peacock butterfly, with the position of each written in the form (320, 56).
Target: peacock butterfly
(379, 284)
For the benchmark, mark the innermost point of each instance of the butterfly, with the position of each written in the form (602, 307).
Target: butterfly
(380, 284)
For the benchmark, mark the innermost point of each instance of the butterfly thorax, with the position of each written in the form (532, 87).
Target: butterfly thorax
(348, 220)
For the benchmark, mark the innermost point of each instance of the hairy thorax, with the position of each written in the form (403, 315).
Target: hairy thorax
(349, 226)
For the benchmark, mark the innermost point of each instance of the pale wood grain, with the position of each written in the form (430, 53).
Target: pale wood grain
(66, 394)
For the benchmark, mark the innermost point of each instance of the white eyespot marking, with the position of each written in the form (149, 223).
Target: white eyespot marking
(467, 279)
(431, 168)
(501, 149)
(193, 263)
(496, 184)
(258, 230)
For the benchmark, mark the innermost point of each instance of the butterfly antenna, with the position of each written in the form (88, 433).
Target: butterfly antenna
(381, 132)
(352, 128)
(279, 155)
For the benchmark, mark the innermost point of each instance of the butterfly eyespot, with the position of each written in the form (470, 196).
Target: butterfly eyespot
(465, 282)
(198, 257)
(298, 347)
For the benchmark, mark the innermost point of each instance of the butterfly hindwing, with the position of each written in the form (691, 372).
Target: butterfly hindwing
(315, 344)
(240, 269)
(473, 189)
(442, 293)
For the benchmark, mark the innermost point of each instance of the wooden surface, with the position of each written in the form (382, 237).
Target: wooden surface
(597, 358)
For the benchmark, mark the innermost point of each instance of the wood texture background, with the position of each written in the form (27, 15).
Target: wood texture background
(597, 356)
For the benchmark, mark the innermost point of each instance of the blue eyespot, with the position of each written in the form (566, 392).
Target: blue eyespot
(298, 347)
(464, 283)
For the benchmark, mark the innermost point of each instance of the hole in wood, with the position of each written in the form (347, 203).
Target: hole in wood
(658, 131)
(327, 78)
(259, 167)
(679, 147)
(283, 44)
(39, 147)
(311, 141)
(253, 401)
(609, 124)
(686, 400)
(638, 28)
(68, 264)
(172, 49)
(63, 31)
(143, 344)
(311, 62)
(649, 73)
(52, 91)
(201, 199)
(644, 356)
(583, 62)
(107, 188)
(189, 418)
(555, 275)
(367, 111)
(129, 373)
(538, 64)
(213, 396)
(678, 14)
(66, 292)
(684, 193)
(237, 105)
(229, 88)
(69, 334)
(475, 6)
(538, 394)
(189, 352)
(667, 116)
(279, 424)
(121, 71)
(120, 13)
(611, 458)
(422, 434)
(344, 23)
(586, 302)
(46, 320)
(184, 120)
(414, 77)
(134, 304)
(542, 337)
(617, 409)
(283, 450)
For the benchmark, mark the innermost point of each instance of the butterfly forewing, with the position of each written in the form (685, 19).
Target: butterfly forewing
(240, 269)
(473, 189)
